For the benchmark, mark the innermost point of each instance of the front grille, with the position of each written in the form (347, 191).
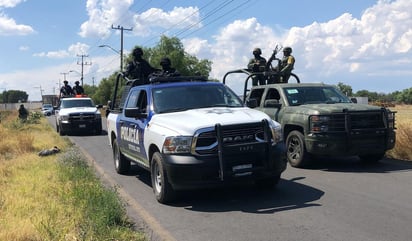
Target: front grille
(367, 120)
(81, 116)
(350, 121)
(206, 142)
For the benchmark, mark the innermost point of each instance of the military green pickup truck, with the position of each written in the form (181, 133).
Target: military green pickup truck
(319, 120)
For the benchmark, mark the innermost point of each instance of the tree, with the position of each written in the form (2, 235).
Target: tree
(405, 96)
(106, 90)
(183, 62)
(90, 90)
(14, 96)
(346, 89)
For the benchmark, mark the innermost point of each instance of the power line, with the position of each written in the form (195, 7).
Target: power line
(121, 43)
(218, 18)
(83, 63)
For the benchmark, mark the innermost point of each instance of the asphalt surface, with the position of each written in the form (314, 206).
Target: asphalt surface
(333, 199)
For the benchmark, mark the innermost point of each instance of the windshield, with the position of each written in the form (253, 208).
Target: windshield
(179, 98)
(76, 103)
(314, 95)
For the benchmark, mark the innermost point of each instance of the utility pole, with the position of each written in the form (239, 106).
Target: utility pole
(121, 43)
(41, 91)
(83, 64)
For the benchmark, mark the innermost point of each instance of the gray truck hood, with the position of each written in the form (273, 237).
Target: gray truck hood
(329, 108)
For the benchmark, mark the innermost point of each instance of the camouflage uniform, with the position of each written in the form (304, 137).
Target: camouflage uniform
(257, 64)
(287, 64)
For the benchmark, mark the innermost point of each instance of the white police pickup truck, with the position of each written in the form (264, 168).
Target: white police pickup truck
(78, 114)
(190, 133)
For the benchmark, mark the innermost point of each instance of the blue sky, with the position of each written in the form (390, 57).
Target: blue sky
(365, 44)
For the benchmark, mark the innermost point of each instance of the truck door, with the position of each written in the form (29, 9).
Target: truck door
(132, 129)
(272, 103)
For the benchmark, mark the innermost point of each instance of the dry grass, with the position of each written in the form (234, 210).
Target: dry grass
(48, 198)
(23, 175)
(402, 150)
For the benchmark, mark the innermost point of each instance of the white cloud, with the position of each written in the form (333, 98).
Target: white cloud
(53, 54)
(343, 48)
(178, 18)
(198, 47)
(102, 15)
(366, 51)
(72, 51)
(48, 78)
(9, 27)
(105, 13)
(10, 3)
(78, 48)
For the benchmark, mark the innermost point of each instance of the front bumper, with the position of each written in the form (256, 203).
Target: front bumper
(191, 172)
(81, 126)
(347, 145)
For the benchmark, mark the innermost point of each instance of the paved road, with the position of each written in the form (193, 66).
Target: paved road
(335, 199)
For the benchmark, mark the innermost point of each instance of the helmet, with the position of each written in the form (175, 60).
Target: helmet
(65, 82)
(165, 61)
(137, 52)
(77, 82)
(287, 49)
(257, 51)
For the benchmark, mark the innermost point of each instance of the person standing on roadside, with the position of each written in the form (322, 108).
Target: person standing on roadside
(23, 113)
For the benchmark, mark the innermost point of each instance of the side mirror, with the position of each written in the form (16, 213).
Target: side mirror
(251, 103)
(354, 100)
(134, 113)
(99, 106)
(272, 103)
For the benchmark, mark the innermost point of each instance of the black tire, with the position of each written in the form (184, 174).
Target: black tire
(295, 149)
(371, 158)
(267, 183)
(162, 189)
(59, 130)
(121, 163)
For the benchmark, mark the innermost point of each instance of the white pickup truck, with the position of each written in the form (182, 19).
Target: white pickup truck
(191, 134)
(78, 114)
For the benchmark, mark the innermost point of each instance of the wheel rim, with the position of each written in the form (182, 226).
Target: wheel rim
(157, 178)
(294, 149)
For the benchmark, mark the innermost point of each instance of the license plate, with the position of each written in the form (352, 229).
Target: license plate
(82, 126)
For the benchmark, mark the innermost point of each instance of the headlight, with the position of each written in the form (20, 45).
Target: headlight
(277, 133)
(319, 123)
(177, 144)
(64, 118)
(391, 119)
